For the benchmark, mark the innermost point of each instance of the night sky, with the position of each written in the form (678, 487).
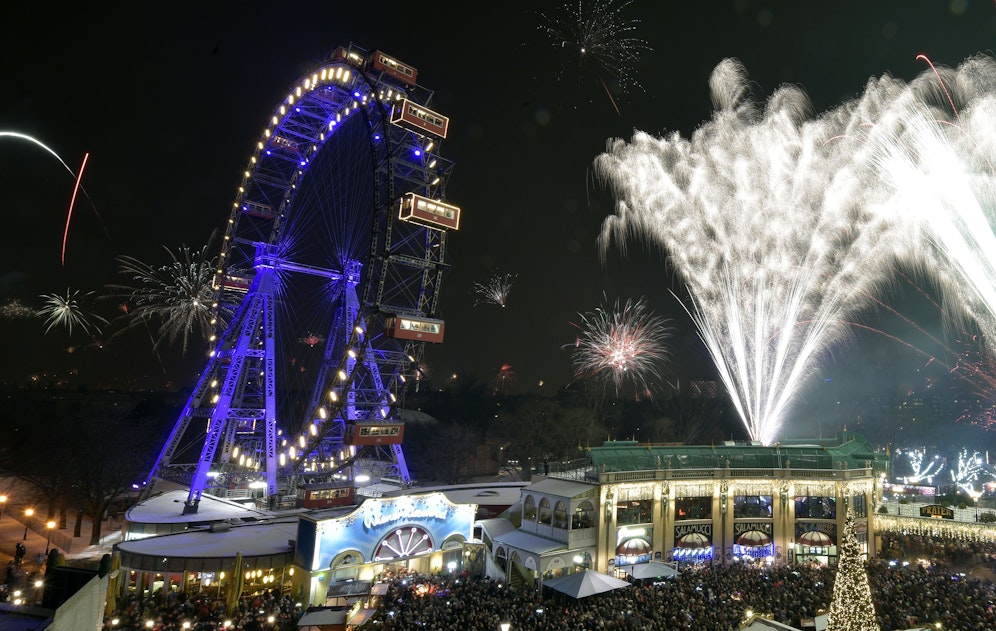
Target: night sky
(169, 99)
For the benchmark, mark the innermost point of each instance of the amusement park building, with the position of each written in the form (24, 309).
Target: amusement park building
(636, 503)
(629, 506)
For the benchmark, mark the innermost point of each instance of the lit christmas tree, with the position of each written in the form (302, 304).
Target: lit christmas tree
(852, 608)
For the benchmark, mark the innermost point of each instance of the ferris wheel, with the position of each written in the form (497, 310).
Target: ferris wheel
(327, 288)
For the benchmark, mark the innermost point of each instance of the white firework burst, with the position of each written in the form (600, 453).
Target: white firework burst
(940, 159)
(69, 311)
(176, 297)
(597, 42)
(772, 220)
(495, 291)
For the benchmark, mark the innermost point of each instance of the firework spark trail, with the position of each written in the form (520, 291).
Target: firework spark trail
(775, 231)
(623, 345)
(72, 202)
(938, 160)
(976, 367)
(52, 152)
(495, 291)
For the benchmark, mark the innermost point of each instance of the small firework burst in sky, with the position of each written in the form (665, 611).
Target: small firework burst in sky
(495, 291)
(311, 339)
(505, 379)
(70, 310)
(14, 309)
(624, 345)
(178, 295)
(597, 42)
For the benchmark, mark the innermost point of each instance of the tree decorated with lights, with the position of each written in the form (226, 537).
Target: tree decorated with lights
(852, 608)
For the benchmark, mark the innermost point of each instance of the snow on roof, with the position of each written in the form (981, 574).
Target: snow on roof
(252, 540)
(496, 527)
(167, 508)
(529, 543)
(559, 487)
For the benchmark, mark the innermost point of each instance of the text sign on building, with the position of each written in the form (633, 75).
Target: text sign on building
(741, 527)
(936, 511)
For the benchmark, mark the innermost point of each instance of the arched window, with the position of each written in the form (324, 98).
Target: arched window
(545, 514)
(560, 515)
(529, 509)
(582, 517)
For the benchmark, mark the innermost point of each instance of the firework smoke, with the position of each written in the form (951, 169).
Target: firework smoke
(622, 346)
(774, 222)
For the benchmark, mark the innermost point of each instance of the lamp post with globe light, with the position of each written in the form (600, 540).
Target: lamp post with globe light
(975, 496)
(48, 540)
(3, 504)
(28, 512)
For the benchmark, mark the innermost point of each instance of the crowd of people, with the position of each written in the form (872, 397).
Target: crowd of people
(916, 582)
(267, 611)
(714, 598)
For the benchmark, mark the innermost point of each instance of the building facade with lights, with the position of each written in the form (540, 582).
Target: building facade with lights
(309, 554)
(636, 503)
(421, 532)
(781, 503)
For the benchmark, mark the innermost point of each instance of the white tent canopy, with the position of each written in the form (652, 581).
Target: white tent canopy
(654, 569)
(586, 583)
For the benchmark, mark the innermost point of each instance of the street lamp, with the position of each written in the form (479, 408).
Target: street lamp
(505, 626)
(49, 525)
(28, 512)
(3, 504)
(975, 496)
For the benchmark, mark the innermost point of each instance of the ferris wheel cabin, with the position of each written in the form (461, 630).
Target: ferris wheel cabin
(418, 119)
(327, 495)
(430, 213)
(415, 329)
(377, 61)
(385, 432)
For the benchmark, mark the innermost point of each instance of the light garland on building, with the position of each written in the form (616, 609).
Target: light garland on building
(937, 528)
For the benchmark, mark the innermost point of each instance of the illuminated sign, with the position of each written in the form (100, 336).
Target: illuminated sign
(740, 527)
(702, 529)
(936, 511)
(380, 524)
